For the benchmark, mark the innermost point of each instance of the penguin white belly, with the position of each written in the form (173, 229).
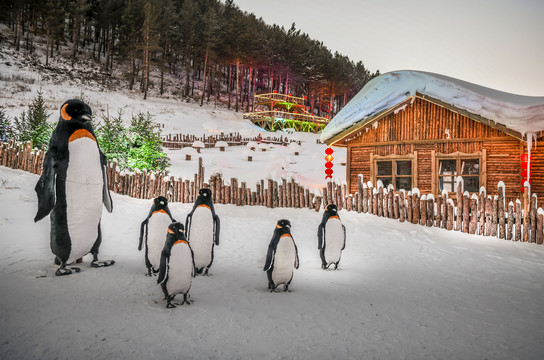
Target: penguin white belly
(156, 236)
(334, 240)
(284, 261)
(84, 185)
(201, 236)
(180, 269)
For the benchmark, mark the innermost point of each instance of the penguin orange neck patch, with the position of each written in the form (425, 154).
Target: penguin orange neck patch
(181, 242)
(334, 217)
(64, 114)
(204, 205)
(285, 235)
(159, 211)
(81, 133)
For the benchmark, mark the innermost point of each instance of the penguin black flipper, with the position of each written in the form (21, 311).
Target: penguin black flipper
(216, 228)
(143, 230)
(45, 188)
(344, 228)
(188, 223)
(106, 196)
(271, 250)
(296, 254)
(163, 268)
(320, 232)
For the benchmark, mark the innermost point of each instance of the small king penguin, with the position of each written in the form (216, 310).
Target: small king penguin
(73, 187)
(282, 257)
(202, 226)
(331, 238)
(177, 265)
(152, 232)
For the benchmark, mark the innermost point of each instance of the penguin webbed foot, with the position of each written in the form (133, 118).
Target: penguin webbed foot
(103, 263)
(66, 270)
(169, 305)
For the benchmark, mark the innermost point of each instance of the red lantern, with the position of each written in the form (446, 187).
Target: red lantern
(524, 180)
(526, 157)
(523, 173)
(328, 164)
(328, 171)
(328, 177)
(328, 157)
(328, 151)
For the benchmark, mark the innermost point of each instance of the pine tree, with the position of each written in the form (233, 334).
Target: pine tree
(6, 133)
(33, 125)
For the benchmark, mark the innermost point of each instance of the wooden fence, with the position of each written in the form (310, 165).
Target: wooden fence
(178, 141)
(478, 214)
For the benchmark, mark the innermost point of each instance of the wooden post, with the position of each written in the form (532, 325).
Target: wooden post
(438, 217)
(390, 212)
(533, 218)
(466, 211)
(409, 210)
(396, 206)
(365, 199)
(495, 216)
(502, 232)
(539, 223)
(415, 209)
(449, 225)
(488, 214)
(423, 211)
(460, 217)
(510, 223)
(482, 211)
(526, 211)
(380, 201)
(473, 215)
(360, 191)
(402, 213)
(518, 220)
(444, 210)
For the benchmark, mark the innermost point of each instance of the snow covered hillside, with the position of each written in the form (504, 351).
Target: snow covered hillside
(402, 291)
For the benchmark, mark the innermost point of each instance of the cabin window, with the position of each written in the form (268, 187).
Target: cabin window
(450, 169)
(396, 172)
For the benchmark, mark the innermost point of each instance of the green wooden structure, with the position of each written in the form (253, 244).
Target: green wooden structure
(281, 111)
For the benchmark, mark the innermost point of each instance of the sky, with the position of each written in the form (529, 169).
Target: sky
(493, 43)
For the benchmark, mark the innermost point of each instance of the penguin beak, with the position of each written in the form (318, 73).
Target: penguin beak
(85, 117)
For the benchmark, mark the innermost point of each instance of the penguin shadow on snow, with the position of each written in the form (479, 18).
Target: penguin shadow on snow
(73, 188)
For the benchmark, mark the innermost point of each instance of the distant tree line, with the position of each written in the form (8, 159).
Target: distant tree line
(213, 47)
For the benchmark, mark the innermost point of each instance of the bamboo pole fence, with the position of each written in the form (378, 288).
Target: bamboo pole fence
(479, 214)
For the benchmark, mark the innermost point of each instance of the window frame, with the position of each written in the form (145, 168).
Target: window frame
(458, 156)
(393, 158)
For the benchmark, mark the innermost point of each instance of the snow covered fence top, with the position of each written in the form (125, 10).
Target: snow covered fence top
(524, 114)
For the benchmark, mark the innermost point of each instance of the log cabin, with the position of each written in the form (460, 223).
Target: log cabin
(421, 130)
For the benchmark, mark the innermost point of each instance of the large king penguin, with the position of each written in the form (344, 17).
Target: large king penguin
(331, 238)
(202, 226)
(73, 187)
(282, 257)
(152, 231)
(177, 265)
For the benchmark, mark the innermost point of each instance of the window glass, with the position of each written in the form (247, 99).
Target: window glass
(447, 167)
(404, 167)
(470, 167)
(384, 168)
(472, 183)
(404, 183)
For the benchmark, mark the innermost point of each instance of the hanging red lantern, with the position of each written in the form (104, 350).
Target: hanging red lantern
(524, 180)
(328, 157)
(328, 165)
(328, 171)
(328, 151)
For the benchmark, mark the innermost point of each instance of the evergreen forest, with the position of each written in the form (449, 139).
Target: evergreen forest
(211, 50)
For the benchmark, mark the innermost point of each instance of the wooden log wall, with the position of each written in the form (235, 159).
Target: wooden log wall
(484, 215)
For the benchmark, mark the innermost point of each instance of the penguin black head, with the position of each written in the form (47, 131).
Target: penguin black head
(205, 193)
(332, 209)
(177, 230)
(160, 202)
(75, 110)
(283, 224)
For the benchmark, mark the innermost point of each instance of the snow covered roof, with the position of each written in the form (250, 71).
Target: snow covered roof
(522, 114)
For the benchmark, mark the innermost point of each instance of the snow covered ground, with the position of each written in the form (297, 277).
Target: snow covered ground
(403, 291)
